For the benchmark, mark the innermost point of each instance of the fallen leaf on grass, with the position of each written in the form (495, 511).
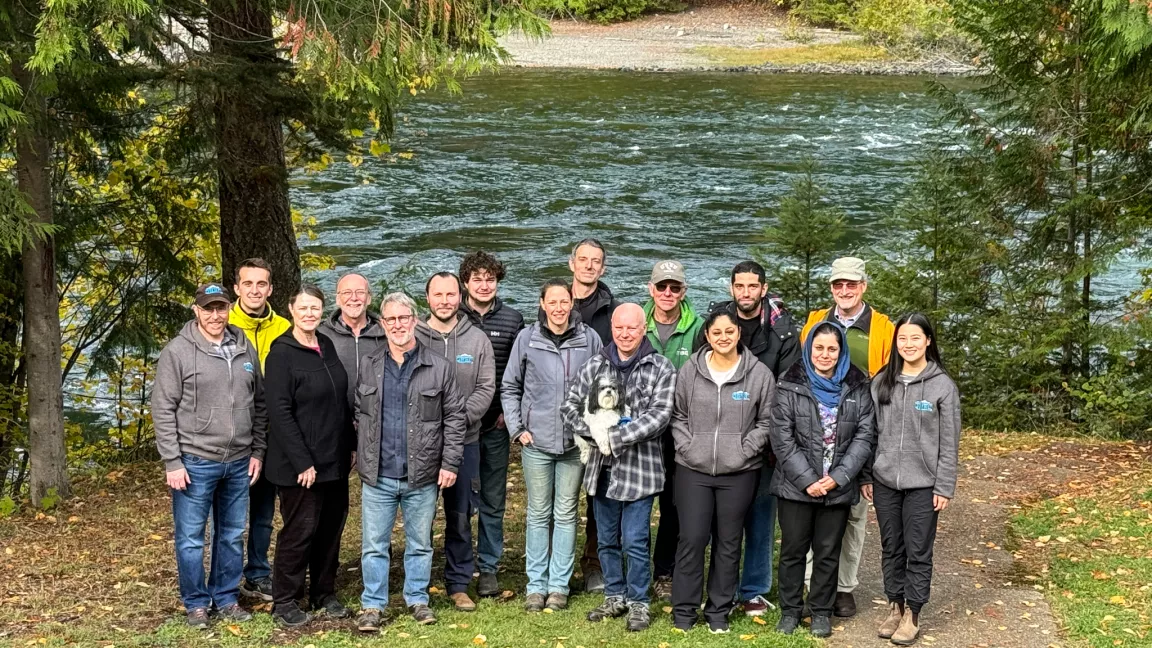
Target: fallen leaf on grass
(667, 609)
(1116, 600)
(759, 621)
(479, 640)
(507, 595)
(662, 644)
(234, 629)
(403, 635)
(548, 611)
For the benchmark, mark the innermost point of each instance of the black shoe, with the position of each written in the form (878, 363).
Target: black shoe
(423, 614)
(845, 605)
(198, 618)
(260, 588)
(638, 617)
(290, 615)
(331, 607)
(594, 581)
(821, 626)
(368, 621)
(487, 585)
(233, 612)
(611, 608)
(788, 624)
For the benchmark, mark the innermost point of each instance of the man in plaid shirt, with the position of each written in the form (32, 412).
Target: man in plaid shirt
(626, 481)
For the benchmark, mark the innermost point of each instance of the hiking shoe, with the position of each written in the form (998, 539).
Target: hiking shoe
(259, 588)
(908, 631)
(556, 601)
(611, 608)
(233, 612)
(594, 581)
(638, 617)
(888, 628)
(845, 605)
(757, 606)
(788, 624)
(198, 618)
(821, 626)
(463, 602)
(331, 607)
(718, 628)
(423, 614)
(487, 585)
(534, 603)
(662, 588)
(290, 615)
(368, 621)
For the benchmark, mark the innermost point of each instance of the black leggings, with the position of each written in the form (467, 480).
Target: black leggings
(805, 526)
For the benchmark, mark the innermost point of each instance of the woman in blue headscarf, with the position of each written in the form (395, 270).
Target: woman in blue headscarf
(822, 434)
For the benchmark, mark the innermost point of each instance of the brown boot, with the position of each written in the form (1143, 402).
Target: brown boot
(908, 631)
(462, 602)
(888, 628)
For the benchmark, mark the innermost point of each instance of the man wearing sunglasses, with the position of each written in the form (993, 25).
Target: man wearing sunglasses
(869, 343)
(672, 328)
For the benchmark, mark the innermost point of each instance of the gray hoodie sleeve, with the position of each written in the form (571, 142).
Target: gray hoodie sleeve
(481, 396)
(681, 432)
(946, 464)
(756, 441)
(512, 386)
(454, 424)
(167, 390)
(859, 449)
(259, 411)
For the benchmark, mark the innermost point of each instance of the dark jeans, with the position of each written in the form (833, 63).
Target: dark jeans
(805, 526)
(907, 535)
(494, 446)
(309, 541)
(219, 489)
(459, 503)
(759, 532)
(668, 533)
(625, 531)
(261, 512)
(711, 507)
(590, 561)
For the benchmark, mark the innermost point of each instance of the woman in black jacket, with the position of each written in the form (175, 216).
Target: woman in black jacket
(821, 433)
(309, 456)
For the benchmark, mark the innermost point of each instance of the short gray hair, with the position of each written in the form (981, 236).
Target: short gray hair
(398, 298)
(590, 242)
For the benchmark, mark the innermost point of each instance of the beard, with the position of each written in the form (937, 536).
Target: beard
(445, 320)
(749, 309)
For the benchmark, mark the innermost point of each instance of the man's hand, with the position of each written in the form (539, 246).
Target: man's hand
(253, 470)
(939, 502)
(866, 491)
(177, 479)
(307, 478)
(447, 479)
(500, 423)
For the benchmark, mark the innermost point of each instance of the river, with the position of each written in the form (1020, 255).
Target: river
(683, 166)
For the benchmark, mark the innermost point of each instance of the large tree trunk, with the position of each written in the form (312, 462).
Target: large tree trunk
(255, 219)
(47, 453)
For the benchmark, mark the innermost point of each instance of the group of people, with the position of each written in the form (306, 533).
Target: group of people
(731, 420)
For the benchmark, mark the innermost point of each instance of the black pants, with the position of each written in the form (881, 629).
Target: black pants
(907, 534)
(805, 526)
(459, 503)
(668, 535)
(309, 540)
(590, 561)
(710, 507)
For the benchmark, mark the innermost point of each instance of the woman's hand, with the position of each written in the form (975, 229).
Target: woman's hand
(307, 478)
(939, 502)
(866, 491)
(525, 438)
(816, 490)
(828, 484)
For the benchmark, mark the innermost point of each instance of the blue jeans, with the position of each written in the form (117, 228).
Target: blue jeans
(553, 485)
(459, 504)
(220, 490)
(261, 511)
(494, 446)
(624, 530)
(379, 505)
(759, 540)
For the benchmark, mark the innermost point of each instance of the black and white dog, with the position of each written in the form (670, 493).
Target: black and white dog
(603, 408)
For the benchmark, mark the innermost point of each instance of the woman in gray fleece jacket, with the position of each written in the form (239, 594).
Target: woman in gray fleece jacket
(912, 476)
(720, 426)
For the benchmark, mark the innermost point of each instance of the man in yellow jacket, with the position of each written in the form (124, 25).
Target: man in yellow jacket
(869, 344)
(252, 314)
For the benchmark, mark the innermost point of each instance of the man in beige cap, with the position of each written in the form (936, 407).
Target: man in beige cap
(672, 328)
(869, 344)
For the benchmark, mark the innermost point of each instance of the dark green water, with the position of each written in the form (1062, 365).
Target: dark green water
(655, 165)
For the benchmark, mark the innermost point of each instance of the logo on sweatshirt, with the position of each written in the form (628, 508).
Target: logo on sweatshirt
(683, 352)
(923, 406)
(248, 367)
(741, 396)
(464, 358)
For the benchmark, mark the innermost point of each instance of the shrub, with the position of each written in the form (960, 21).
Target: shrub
(606, 11)
(903, 22)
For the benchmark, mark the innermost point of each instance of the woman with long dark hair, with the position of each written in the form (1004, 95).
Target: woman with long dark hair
(822, 435)
(913, 475)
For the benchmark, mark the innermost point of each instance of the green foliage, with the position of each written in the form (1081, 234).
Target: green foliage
(50, 500)
(901, 24)
(807, 232)
(7, 507)
(825, 13)
(606, 11)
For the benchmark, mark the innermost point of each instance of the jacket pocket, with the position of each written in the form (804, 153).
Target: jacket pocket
(202, 426)
(431, 406)
(367, 397)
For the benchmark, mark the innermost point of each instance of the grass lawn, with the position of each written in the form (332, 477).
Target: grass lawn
(99, 571)
(850, 52)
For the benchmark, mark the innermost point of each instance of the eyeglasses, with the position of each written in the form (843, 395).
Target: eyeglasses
(669, 286)
(216, 309)
(842, 284)
(403, 320)
(353, 293)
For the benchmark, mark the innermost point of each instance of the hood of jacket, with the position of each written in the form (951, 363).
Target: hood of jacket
(688, 316)
(337, 326)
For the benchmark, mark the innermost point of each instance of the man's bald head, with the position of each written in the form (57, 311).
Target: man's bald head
(627, 329)
(353, 297)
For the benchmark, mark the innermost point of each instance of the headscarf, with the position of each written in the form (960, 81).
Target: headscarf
(827, 390)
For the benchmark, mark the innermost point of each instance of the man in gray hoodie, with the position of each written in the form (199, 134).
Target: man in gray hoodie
(352, 327)
(468, 351)
(211, 430)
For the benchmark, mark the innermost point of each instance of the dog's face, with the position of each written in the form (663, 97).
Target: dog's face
(607, 393)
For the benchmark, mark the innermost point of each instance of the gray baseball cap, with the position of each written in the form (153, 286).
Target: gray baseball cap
(668, 271)
(211, 293)
(849, 268)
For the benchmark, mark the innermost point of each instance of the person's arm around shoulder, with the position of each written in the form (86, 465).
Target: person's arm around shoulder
(948, 463)
(167, 390)
(860, 448)
(756, 441)
(512, 385)
(454, 425)
(652, 422)
(789, 455)
(681, 431)
(481, 396)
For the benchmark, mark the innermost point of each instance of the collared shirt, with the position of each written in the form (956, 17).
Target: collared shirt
(394, 416)
(847, 322)
(227, 347)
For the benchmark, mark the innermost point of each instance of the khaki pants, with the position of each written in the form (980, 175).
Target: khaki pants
(850, 551)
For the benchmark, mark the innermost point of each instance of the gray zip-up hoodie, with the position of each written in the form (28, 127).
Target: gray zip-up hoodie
(469, 352)
(723, 429)
(352, 349)
(206, 406)
(536, 383)
(918, 434)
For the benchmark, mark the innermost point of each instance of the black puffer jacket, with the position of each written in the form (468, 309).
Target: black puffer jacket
(777, 344)
(595, 310)
(309, 412)
(798, 438)
(502, 324)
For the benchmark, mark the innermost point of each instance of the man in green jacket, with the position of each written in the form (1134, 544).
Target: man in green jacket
(673, 328)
